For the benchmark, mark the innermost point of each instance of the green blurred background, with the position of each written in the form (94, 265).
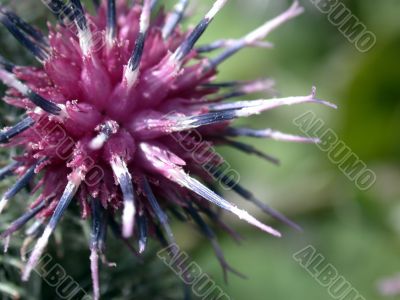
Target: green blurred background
(356, 231)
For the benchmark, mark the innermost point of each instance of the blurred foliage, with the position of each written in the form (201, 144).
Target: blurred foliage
(358, 232)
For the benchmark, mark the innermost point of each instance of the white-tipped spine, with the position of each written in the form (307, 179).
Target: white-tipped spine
(85, 41)
(98, 142)
(217, 6)
(41, 244)
(128, 217)
(37, 252)
(3, 204)
(106, 129)
(11, 80)
(94, 268)
(177, 174)
(131, 74)
(263, 31)
(274, 103)
(124, 179)
(197, 187)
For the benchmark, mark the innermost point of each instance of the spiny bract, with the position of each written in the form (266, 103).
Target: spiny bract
(120, 111)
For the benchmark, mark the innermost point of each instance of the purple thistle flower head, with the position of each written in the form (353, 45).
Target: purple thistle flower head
(115, 117)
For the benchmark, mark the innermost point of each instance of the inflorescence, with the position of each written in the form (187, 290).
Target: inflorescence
(113, 117)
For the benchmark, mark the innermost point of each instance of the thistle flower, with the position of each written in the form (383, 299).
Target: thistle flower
(117, 101)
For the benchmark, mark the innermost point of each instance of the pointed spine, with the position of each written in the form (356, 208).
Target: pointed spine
(116, 230)
(21, 221)
(29, 37)
(6, 135)
(142, 231)
(187, 45)
(12, 81)
(269, 133)
(246, 194)
(18, 186)
(246, 88)
(8, 170)
(210, 235)
(256, 35)
(220, 44)
(249, 149)
(132, 69)
(69, 193)
(174, 18)
(84, 33)
(160, 158)
(106, 130)
(111, 29)
(6, 65)
(124, 179)
(27, 29)
(221, 113)
(198, 188)
(96, 236)
(160, 214)
(64, 13)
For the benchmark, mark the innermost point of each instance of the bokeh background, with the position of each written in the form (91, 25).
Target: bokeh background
(356, 231)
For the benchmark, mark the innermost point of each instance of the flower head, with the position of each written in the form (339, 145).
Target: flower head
(115, 116)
